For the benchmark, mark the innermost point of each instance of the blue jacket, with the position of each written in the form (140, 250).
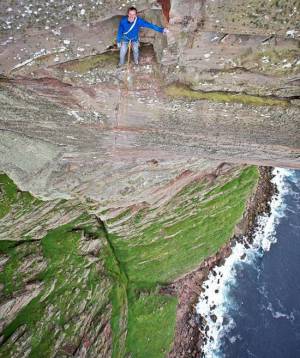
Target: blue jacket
(133, 35)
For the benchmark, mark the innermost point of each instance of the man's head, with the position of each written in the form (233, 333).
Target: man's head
(131, 13)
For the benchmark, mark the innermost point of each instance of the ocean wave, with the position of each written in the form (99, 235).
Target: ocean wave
(215, 300)
(278, 314)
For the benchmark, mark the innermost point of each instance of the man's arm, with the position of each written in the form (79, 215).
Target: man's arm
(144, 23)
(120, 33)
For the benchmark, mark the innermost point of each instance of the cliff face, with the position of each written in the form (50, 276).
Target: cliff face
(130, 162)
(250, 47)
(77, 281)
(87, 125)
(52, 255)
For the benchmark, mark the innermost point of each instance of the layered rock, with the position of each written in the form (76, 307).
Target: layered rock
(250, 47)
(75, 284)
(52, 300)
(136, 154)
(86, 123)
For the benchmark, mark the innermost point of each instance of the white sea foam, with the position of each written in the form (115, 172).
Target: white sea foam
(278, 314)
(214, 302)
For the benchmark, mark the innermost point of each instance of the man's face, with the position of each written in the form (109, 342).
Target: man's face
(131, 15)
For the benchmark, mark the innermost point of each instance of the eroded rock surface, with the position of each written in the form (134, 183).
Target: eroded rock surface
(82, 125)
(127, 165)
(55, 286)
(73, 283)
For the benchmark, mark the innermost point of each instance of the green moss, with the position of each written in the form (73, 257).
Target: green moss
(192, 228)
(160, 245)
(119, 302)
(168, 243)
(118, 298)
(138, 217)
(151, 325)
(89, 63)
(11, 277)
(11, 196)
(6, 246)
(65, 270)
(122, 215)
(8, 193)
(248, 175)
(180, 91)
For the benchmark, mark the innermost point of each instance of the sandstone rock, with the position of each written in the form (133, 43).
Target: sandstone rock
(108, 125)
(213, 317)
(10, 308)
(113, 142)
(91, 247)
(3, 260)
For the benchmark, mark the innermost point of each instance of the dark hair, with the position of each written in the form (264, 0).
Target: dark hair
(132, 8)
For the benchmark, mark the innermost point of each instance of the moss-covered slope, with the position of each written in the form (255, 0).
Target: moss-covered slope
(72, 284)
(55, 289)
(157, 245)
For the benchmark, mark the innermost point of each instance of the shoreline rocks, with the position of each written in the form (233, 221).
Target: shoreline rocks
(188, 337)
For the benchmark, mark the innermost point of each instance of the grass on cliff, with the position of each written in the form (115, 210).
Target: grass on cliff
(151, 324)
(118, 298)
(161, 246)
(187, 230)
(10, 196)
(68, 282)
(181, 91)
(90, 62)
(11, 276)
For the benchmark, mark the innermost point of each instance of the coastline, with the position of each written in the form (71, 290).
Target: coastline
(188, 336)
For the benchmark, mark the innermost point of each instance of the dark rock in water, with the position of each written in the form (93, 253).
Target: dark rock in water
(213, 317)
(243, 256)
(221, 262)
(203, 323)
(225, 320)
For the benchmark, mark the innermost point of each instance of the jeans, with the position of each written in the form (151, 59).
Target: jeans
(134, 48)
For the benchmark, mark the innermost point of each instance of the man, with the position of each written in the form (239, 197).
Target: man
(129, 28)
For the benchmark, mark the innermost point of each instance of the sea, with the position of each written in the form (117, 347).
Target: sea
(250, 306)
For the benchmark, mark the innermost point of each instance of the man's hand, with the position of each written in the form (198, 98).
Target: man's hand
(119, 44)
(166, 31)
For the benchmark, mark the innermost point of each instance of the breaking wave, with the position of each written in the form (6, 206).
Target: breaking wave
(216, 300)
